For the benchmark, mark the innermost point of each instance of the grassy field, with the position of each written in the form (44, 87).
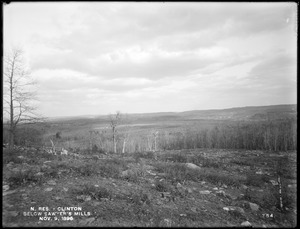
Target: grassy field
(260, 128)
(150, 189)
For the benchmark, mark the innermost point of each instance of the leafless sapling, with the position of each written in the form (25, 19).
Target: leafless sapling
(19, 93)
(114, 121)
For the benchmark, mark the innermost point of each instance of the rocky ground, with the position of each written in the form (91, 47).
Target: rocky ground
(187, 188)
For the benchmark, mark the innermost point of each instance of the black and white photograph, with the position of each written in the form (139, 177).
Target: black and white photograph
(149, 114)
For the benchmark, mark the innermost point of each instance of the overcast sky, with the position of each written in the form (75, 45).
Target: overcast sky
(97, 58)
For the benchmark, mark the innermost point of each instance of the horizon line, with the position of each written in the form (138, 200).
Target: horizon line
(155, 112)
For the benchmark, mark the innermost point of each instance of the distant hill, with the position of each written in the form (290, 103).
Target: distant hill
(245, 113)
(257, 113)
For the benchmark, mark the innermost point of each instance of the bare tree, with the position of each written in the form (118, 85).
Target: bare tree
(114, 121)
(125, 139)
(152, 140)
(18, 93)
(52, 147)
(155, 135)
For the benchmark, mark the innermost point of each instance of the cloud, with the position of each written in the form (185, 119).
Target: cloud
(278, 70)
(168, 56)
(141, 36)
(65, 79)
(152, 64)
(204, 23)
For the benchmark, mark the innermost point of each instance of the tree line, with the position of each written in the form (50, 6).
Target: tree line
(264, 135)
(277, 135)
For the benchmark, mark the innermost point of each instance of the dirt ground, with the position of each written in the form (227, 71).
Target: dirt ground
(187, 188)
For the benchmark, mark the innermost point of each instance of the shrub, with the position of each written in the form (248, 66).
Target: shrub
(138, 155)
(256, 180)
(94, 149)
(132, 177)
(11, 156)
(47, 156)
(24, 177)
(266, 199)
(178, 157)
(197, 159)
(211, 163)
(105, 168)
(241, 162)
(58, 135)
(205, 162)
(140, 198)
(117, 162)
(283, 169)
(28, 135)
(109, 170)
(77, 166)
(87, 169)
(94, 192)
(218, 177)
(179, 172)
(51, 172)
(162, 186)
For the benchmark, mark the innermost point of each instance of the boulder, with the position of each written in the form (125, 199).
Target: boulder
(274, 182)
(51, 182)
(292, 186)
(127, 173)
(246, 224)
(192, 166)
(39, 174)
(221, 193)
(13, 213)
(9, 192)
(166, 195)
(153, 174)
(244, 186)
(194, 209)
(96, 203)
(84, 197)
(48, 189)
(64, 152)
(224, 186)
(5, 188)
(253, 207)
(234, 208)
(167, 223)
(178, 185)
(10, 164)
(204, 192)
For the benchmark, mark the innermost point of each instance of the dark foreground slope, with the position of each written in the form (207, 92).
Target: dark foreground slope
(150, 189)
